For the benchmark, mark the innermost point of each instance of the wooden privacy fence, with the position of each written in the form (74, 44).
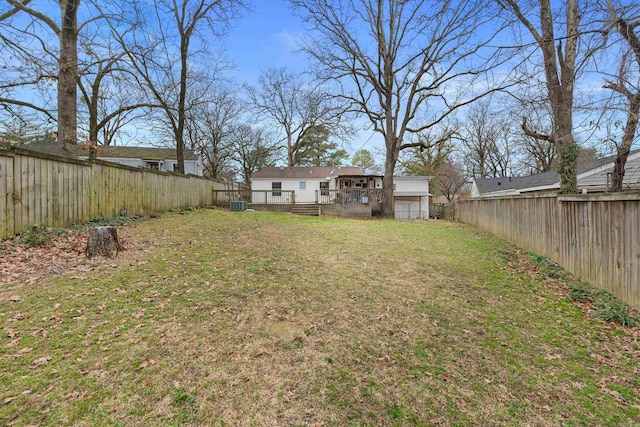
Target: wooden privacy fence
(41, 189)
(596, 237)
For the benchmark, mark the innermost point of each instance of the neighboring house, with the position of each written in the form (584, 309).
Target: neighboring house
(160, 159)
(340, 190)
(305, 181)
(593, 177)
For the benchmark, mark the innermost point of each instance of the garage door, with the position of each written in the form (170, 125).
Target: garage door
(406, 209)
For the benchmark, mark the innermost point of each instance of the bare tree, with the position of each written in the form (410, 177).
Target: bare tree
(428, 158)
(210, 128)
(105, 82)
(536, 155)
(395, 59)
(628, 89)
(296, 107)
(487, 143)
(559, 46)
(22, 128)
(252, 150)
(164, 55)
(451, 180)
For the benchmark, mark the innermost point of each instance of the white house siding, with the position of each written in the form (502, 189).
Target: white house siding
(597, 179)
(307, 195)
(411, 184)
(190, 166)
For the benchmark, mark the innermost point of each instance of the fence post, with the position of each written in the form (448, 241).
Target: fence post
(316, 197)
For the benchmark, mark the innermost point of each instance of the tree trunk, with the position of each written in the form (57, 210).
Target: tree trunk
(388, 209)
(68, 74)
(625, 146)
(103, 241)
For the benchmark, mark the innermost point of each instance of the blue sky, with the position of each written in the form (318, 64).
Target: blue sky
(264, 38)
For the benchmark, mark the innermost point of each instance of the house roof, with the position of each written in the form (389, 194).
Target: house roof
(145, 153)
(545, 179)
(310, 172)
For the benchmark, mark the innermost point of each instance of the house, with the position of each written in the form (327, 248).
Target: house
(593, 177)
(342, 191)
(160, 159)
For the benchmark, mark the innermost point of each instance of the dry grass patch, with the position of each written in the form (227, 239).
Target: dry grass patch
(269, 319)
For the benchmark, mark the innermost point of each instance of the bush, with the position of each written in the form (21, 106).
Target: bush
(35, 236)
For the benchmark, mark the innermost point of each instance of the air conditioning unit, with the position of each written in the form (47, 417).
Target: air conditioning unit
(237, 206)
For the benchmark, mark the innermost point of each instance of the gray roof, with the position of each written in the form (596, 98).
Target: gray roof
(145, 153)
(490, 185)
(310, 172)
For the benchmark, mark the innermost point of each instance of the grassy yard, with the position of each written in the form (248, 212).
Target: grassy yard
(268, 319)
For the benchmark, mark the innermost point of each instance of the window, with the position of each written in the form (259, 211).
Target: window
(153, 165)
(324, 188)
(303, 185)
(175, 167)
(276, 186)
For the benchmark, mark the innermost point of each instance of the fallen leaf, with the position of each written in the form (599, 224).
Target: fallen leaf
(146, 363)
(24, 350)
(41, 361)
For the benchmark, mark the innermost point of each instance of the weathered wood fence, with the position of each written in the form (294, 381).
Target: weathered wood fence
(41, 189)
(596, 237)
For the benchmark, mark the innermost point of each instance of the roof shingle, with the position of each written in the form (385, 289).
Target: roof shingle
(310, 172)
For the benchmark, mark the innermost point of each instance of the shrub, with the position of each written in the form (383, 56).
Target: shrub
(35, 236)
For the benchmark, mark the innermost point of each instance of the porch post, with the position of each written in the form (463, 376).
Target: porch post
(293, 197)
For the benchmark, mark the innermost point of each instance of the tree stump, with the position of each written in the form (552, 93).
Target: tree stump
(103, 241)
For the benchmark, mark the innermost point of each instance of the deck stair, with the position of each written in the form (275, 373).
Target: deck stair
(306, 210)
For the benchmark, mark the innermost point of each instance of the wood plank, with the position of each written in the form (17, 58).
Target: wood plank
(4, 193)
(10, 174)
(18, 219)
(49, 197)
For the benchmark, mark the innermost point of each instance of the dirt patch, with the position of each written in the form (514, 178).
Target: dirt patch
(287, 330)
(63, 252)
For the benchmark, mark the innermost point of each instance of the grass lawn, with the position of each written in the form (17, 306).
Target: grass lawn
(269, 319)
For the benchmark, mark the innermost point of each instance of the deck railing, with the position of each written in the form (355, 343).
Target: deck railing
(256, 197)
(346, 196)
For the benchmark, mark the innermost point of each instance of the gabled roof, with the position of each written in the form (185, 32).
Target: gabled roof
(490, 185)
(310, 172)
(543, 180)
(144, 153)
